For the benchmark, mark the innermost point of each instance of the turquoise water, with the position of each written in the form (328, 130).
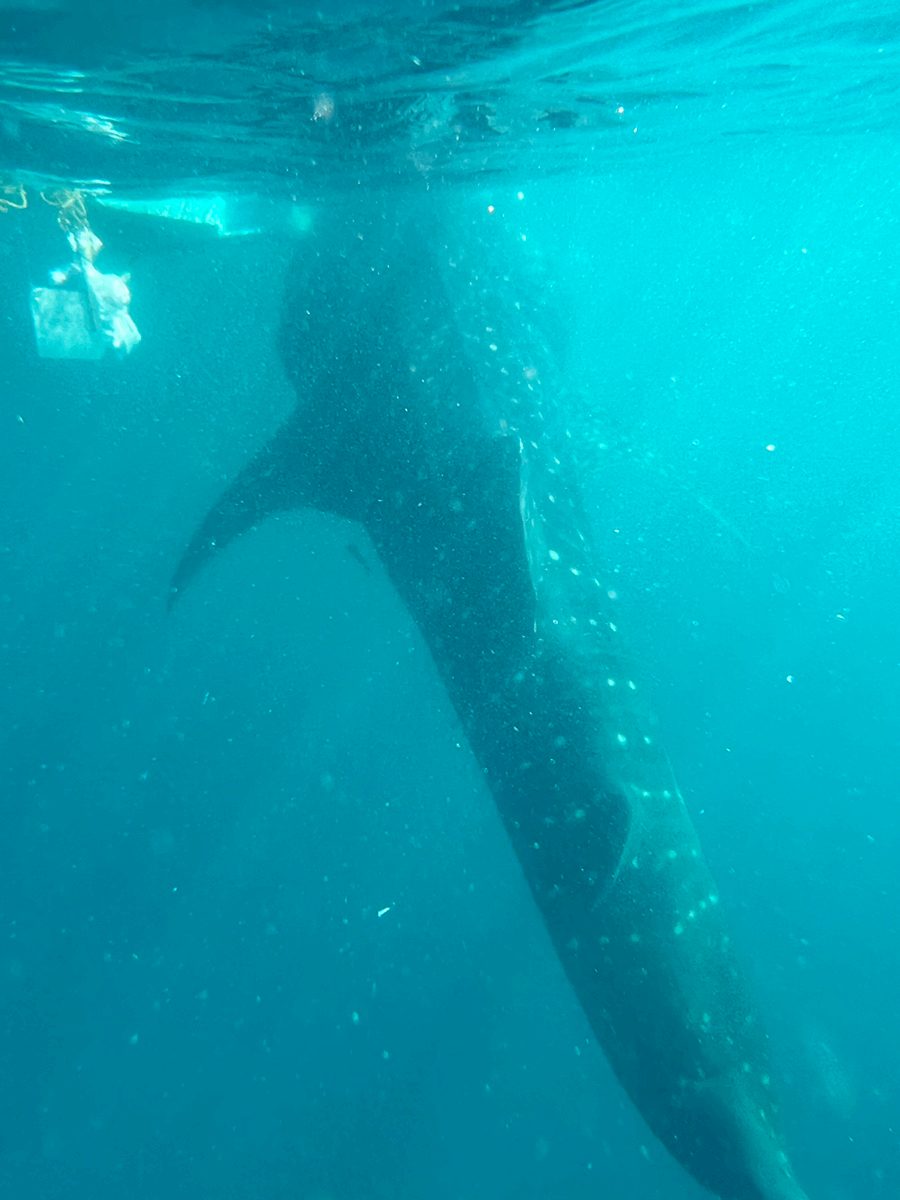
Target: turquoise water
(205, 813)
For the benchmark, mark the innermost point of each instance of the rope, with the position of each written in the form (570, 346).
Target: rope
(12, 195)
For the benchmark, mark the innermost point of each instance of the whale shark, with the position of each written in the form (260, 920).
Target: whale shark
(432, 410)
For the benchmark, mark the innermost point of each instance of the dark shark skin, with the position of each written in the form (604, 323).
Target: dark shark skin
(429, 411)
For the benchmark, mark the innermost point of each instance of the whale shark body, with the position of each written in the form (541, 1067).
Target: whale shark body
(431, 410)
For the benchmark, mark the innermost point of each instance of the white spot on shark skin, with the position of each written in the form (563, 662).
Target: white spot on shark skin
(679, 929)
(574, 570)
(553, 555)
(671, 854)
(647, 741)
(635, 938)
(632, 685)
(621, 739)
(611, 683)
(614, 628)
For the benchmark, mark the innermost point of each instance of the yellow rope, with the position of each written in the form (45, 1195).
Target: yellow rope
(12, 195)
(72, 214)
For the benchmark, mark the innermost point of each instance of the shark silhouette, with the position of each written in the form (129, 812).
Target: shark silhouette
(431, 410)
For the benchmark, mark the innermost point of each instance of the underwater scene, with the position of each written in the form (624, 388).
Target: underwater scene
(449, 657)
